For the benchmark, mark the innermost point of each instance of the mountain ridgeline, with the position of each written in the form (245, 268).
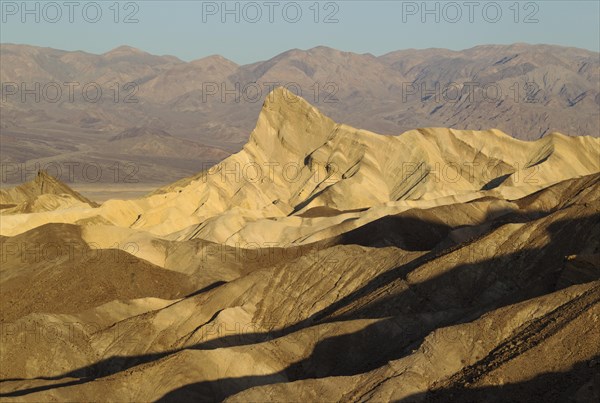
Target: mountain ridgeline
(320, 262)
(208, 106)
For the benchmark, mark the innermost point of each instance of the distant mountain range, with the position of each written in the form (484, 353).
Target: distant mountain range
(188, 113)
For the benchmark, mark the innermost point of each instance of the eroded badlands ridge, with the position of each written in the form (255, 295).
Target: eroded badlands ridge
(320, 263)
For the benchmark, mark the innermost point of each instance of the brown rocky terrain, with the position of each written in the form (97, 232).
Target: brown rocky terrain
(438, 265)
(208, 106)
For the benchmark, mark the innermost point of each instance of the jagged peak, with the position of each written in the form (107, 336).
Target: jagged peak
(289, 119)
(45, 183)
(282, 97)
(49, 184)
(43, 175)
(42, 185)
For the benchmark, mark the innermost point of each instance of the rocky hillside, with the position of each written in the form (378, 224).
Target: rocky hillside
(360, 267)
(526, 91)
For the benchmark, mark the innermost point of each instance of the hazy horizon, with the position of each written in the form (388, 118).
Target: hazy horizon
(250, 31)
(301, 49)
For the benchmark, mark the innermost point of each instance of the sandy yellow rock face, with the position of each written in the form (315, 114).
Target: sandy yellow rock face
(297, 159)
(320, 263)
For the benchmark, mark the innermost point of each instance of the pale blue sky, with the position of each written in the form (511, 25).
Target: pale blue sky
(194, 29)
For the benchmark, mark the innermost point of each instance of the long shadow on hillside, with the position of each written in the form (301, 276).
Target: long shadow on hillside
(567, 237)
(409, 230)
(403, 231)
(498, 281)
(551, 324)
(582, 381)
